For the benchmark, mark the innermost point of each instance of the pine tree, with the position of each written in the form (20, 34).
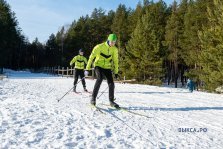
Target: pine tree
(52, 53)
(120, 27)
(182, 10)
(172, 39)
(211, 57)
(10, 37)
(133, 17)
(36, 54)
(145, 45)
(195, 18)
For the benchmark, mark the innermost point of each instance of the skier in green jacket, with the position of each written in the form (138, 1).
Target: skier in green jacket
(104, 54)
(80, 62)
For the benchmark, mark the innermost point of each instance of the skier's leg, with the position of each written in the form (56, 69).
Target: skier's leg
(99, 75)
(83, 80)
(108, 75)
(192, 89)
(75, 79)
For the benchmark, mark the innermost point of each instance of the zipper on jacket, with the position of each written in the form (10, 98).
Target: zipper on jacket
(81, 60)
(108, 50)
(106, 54)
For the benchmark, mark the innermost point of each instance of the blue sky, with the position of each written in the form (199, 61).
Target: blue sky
(41, 18)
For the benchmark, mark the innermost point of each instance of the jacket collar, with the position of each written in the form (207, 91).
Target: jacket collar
(107, 45)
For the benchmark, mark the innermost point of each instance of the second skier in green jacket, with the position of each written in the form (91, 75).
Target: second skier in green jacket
(80, 62)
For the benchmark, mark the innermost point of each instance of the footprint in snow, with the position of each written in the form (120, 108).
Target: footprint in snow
(107, 133)
(35, 139)
(60, 135)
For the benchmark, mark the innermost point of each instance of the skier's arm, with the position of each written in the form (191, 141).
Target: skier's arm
(115, 60)
(94, 53)
(73, 60)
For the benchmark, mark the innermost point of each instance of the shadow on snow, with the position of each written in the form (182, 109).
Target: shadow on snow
(175, 109)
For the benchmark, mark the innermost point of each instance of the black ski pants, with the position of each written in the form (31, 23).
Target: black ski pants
(100, 73)
(77, 73)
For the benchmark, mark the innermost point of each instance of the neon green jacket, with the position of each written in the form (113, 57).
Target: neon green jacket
(79, 61)
(104, 55)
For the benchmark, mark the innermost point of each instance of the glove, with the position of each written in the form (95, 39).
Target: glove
(86, 73)
(116, 76)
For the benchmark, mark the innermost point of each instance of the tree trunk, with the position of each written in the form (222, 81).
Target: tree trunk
(175, 73)
(182, 75)
(1, 70)
(169, 74)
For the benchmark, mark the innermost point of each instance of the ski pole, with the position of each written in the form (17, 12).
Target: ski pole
(102, 92)
(70, 90)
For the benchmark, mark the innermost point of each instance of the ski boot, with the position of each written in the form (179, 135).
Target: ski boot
(93, 102)
(74, 89)
(113, 104)
(85, 89)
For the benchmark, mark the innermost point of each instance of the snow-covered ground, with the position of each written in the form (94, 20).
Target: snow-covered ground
(31, 117)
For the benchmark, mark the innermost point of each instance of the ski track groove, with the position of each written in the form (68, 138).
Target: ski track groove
(197, 121)
(201, 124)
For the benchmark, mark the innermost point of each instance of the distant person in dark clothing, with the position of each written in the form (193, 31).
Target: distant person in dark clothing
(190, 85)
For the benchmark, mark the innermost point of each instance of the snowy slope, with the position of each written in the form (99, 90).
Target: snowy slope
(31, 117)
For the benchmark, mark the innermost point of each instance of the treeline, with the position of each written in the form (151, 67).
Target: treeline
(10, 36)
(156, 42)
(15, 50)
